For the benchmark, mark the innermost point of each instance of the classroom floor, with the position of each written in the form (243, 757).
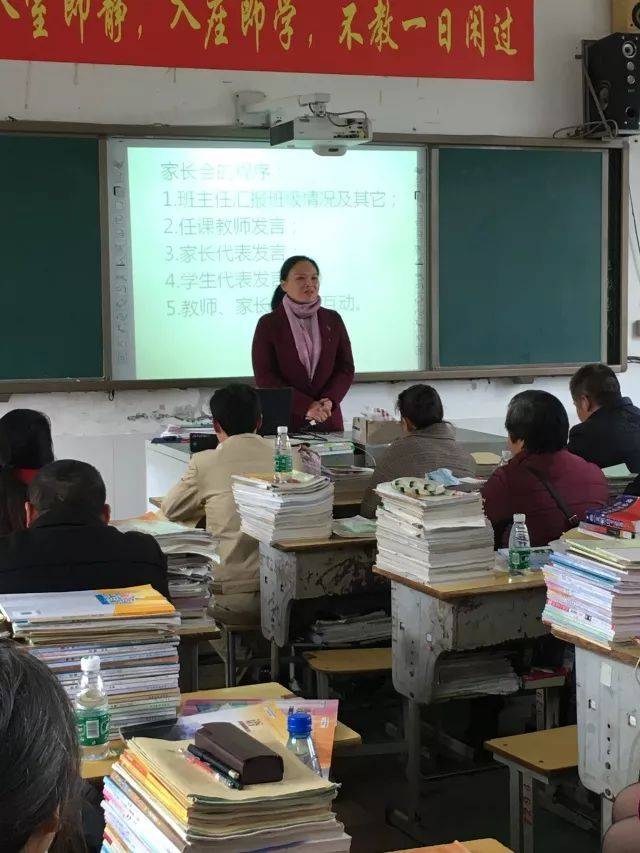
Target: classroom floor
(462, 808)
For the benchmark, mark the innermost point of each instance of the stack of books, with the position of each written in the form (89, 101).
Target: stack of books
(475, 674)
(299, 510)
(134, 632)
(435, 538)
(620, 518)
(191, 560)
(349, 482)
(158, 799)
(344, 630)
(593, 588)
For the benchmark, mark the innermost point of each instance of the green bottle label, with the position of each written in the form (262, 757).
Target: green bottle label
(283, 464)
(519, 559)
(93, 727)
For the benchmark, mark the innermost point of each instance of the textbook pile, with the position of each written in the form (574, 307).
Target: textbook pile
(620, 517)
(301, 509)
(132, 630)
(433, 538)
(157, 799)
(191, 559)
(349, 482)
(593, 588)
(361, 629)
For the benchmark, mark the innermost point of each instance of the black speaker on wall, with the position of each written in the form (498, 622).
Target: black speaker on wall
(613, 68)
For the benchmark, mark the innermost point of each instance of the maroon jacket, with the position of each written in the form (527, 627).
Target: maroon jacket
(513, 489)
(276, 365)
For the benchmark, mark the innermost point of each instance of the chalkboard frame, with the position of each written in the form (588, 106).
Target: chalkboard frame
(618, 209)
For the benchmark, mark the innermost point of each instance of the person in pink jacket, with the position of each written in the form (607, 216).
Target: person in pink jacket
(302, 346)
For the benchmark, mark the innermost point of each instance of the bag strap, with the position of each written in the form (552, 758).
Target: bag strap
(571, 517)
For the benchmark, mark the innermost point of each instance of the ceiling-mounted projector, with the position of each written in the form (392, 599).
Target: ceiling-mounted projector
(328, 134)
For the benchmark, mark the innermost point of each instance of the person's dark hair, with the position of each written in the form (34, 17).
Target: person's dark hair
(597, 382)
(39, 759)
(540, 420)
(422, 405)
(236, 408)
(25, 442)
(75, 485)
(287, 266)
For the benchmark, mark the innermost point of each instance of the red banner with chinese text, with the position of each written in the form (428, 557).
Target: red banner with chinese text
(492, 39)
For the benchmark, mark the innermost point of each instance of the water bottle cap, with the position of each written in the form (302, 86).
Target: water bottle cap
(90, 664)
(299, 723)
(283, 430)
(519, 518)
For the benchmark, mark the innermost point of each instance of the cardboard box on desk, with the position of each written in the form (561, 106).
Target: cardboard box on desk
(366, 431)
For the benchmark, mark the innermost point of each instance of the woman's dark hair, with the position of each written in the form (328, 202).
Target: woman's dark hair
(597, 382)
(25, 442)
(540, 420)
(39, 759)
(422, 405)
(287, 266)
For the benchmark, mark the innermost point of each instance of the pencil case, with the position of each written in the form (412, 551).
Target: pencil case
(254, 761)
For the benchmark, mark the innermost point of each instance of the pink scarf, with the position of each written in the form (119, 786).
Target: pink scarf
(303, 319)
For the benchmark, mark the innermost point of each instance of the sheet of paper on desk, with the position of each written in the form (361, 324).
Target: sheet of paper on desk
(354, 528)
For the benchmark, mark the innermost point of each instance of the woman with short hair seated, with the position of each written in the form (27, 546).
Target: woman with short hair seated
(624, 835)
(428, 443)
(543, 480)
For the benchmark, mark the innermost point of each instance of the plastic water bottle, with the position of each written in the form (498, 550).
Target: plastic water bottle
(519, 546)
(283, 457)
(300, 741)
(92, 711)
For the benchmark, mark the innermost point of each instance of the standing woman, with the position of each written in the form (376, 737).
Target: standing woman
(302, 346)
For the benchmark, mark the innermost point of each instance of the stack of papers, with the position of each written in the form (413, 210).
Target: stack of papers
(593, 589)
(300, 510)
(157, 799)
(132, 630)
(349, 482)
(191, 559)
(367, 628)
(433, 539)
(476, 674)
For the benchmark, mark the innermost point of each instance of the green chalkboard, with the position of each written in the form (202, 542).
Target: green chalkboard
(520, 255)
(50, 299)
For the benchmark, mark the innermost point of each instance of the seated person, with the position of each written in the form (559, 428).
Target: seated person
(609, 431)
(624, 835)
(429, 443)
(68, 544)
(537, 427)
(39, 759)
(25, 448)
(205, 489)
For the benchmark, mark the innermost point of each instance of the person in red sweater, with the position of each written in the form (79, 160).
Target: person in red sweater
(544, 481)
(302, 346)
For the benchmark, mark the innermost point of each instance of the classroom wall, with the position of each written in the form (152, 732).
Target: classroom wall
(111, 433)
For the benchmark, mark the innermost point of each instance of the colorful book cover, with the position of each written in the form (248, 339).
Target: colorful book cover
(621, 513)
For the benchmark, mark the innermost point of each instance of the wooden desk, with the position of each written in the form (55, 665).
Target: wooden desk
(296, 571)
(345, 738)
(608, 710)
(486, 845)
(432, 619)
(493, 584)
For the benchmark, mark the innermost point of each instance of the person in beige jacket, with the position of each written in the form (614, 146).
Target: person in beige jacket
(205, 489)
